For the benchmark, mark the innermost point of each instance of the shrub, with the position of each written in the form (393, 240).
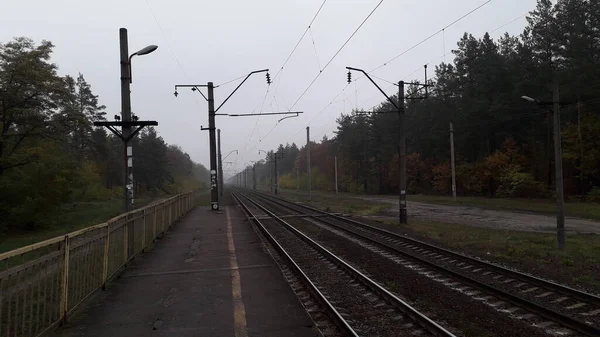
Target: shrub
(469, 179)
(442, 179)
(594, 194)
(515, 184)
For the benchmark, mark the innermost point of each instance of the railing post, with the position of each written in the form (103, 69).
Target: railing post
(154, 224)
(126, 240)
(105, 263)
(144, 230)
(64, 296)
(170, 214)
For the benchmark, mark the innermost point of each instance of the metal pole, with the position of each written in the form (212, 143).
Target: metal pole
(452, 163)
(335, 167)
(402, 155)
(297, 180)
(254, 176)
(126, 117)
(220, 163)
(308, 162)
(214, 181)
(560, 215)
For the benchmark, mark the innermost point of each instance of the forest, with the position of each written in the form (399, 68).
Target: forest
(503, 144)
(51, 155)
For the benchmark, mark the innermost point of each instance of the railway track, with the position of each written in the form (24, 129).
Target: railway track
(356, 304)
(545, 303)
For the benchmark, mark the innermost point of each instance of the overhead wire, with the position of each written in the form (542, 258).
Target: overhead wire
(437, 59)
(315, 48)
(300, 40)
(337, 53)
(327, 64)
(167, 40)
(233, 80)
(430, 36)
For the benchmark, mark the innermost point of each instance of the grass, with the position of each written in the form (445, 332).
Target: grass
(578, 264)
(74, 216)
(338, 204)
(536, 253)
(202, 198)
(587, 210)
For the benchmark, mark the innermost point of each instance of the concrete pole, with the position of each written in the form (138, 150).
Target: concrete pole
(276, 176)
(452, 163)
(335, 167)
(220, 163)
(560, 215)
(271, 174)
(254, 177)
(402, 213)
(214, 181)
(297, 180)
(308, 162)
(126, 117)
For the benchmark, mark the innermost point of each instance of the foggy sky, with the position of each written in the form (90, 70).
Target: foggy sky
(217, 41)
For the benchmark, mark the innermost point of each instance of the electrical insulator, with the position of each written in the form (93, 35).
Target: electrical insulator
(176, 93)
(268, 78)
(349, 77)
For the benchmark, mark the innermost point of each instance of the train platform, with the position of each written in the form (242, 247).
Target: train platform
(208, 276)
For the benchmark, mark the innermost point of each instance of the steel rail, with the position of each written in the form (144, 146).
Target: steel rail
(550, 314)
(425, 322)
(333, 314)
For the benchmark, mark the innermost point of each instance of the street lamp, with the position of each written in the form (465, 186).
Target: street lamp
(558, 172)
(144, 51)
(530, 99)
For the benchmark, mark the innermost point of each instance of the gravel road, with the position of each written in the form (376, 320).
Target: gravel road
(475, 216)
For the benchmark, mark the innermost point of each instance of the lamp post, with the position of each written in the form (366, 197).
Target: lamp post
(558, 172)
(126, 122)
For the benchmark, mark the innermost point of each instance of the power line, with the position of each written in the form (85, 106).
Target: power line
(300, 40)
(167, 40)
(170, 47)
(227, 82)
(257, 119)
(431, 36)
(319, 74)
(315, 48)
(336, 54)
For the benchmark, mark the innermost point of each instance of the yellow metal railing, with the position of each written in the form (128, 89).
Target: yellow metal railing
(42, 283)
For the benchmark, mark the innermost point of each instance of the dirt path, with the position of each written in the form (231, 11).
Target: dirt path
(489, 218)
